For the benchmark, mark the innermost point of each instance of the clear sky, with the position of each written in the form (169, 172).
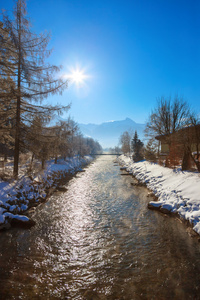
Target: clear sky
(131, 51)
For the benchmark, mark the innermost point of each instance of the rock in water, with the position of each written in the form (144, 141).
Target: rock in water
(22, 222)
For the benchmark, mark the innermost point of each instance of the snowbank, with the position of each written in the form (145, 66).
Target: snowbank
(18, 196)
(177, 191)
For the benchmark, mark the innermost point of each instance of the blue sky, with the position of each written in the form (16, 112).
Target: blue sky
(132, 51)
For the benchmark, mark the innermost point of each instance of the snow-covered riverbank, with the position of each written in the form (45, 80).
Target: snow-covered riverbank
(177, 191)
(17, 196)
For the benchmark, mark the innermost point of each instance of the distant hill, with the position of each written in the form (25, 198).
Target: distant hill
(108, 133)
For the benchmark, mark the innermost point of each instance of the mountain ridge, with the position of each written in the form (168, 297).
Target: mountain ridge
(108, 133)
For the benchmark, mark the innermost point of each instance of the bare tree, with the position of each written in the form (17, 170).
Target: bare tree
(179, 128)
(151, 150)
(71, 140)
(125, 142)
(38, 140)
(168, 116)
(93, 146)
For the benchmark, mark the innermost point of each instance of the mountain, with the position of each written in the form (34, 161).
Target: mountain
(108, 133)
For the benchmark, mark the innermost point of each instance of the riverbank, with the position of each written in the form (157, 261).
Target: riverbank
(17, 197)
(177, 192)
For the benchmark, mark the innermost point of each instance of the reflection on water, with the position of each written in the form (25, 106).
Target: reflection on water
(98, 240)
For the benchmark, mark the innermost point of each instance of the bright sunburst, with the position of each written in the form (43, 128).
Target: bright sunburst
(77, 76)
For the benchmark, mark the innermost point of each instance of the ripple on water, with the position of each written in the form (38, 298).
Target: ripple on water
(98, 240)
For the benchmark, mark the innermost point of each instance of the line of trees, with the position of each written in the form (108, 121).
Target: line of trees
(25, 80)
(132, 145)
(114, 150)
(59, 141)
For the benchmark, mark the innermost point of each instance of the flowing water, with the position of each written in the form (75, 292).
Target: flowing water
(98, 240)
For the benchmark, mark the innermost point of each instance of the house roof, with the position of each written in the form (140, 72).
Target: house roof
(185, 130)
(161, 137)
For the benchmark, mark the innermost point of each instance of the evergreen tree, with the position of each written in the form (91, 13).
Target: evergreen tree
(137, 147)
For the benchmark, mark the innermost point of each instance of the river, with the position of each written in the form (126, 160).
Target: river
(98, 240)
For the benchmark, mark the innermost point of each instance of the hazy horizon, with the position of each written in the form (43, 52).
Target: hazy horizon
(108, 133)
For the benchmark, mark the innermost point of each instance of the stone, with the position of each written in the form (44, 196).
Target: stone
(26, 224)
(151, 206)
(164, 210)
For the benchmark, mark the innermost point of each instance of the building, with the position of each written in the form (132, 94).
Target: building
(181, 148)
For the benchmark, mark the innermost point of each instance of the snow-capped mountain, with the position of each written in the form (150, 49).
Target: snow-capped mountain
(108, 133)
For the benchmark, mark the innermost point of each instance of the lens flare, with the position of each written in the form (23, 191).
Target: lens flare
(77, 76)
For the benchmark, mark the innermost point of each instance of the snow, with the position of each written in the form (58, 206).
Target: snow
(177, 191)
(2, 219)
(16, 196)
(18, 217)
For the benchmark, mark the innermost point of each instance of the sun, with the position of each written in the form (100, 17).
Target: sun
(77, 76)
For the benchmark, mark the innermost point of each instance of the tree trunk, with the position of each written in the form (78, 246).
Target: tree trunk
(196, 161)
(186, 161)
(5, 157)
(31, 163)
(17, 137)
(167, 164)
(198, 165)
(43, 163)
(17, 133)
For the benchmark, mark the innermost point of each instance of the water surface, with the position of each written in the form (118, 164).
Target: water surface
(98, 240)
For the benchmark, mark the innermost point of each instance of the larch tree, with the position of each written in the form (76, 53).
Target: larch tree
(7, 103)
(32, 78)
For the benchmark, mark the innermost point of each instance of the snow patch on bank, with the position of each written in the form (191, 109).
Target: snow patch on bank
(19, 195)
(177, 191)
